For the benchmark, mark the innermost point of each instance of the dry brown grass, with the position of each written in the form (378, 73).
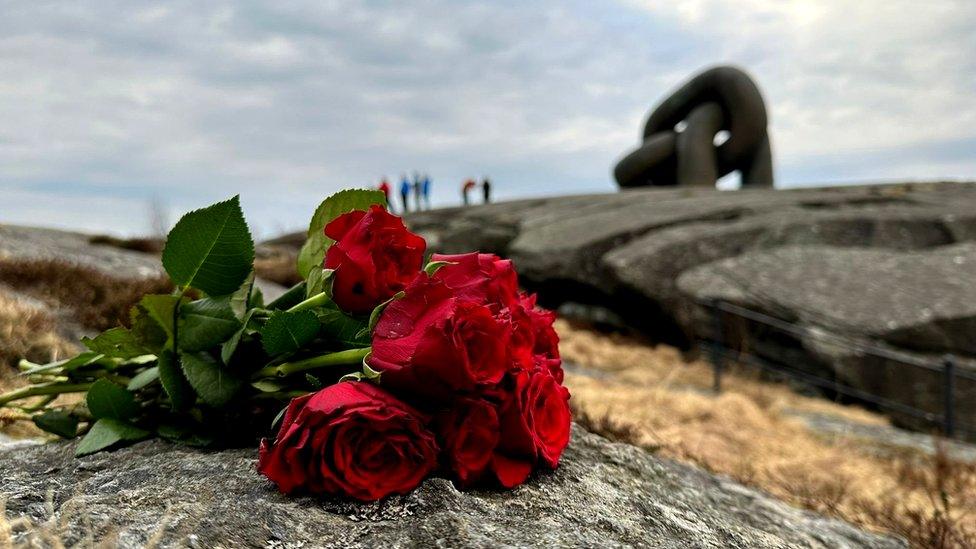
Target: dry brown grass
(662, 402)
(25, 332)
(146, 245)
(95, 299)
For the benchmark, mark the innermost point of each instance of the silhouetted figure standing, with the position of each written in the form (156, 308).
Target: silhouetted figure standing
(417, 189)
(385, 189)
(486, 189)
(721, 98)
(466, 188)
(405, 192)
(425, 190)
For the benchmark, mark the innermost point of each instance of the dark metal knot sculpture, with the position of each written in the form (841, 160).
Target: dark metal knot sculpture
(679, 137)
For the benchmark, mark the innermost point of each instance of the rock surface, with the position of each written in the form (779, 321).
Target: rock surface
(604, 494)
(18, 243)
(892, 265)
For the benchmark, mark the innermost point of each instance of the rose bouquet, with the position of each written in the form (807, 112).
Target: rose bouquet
(381, 368)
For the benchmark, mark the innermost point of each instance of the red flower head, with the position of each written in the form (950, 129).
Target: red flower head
(485, 278)
(351, 439)
(432, 343)
(374, 257)
(468, 434)
(545, 340)
(535, 425)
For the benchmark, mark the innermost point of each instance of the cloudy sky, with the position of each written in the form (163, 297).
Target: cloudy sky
(106, 108)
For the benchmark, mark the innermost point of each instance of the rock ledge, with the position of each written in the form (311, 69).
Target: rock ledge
(604, 494)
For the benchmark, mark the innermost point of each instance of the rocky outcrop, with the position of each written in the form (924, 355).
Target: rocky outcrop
(102, 254)
(887, 264)
(604, 494)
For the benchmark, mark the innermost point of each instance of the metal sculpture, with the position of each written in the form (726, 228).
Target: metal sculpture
(679, 138)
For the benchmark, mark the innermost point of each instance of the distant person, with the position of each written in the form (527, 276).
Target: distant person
(385, 189)
(486, 189)
(405, 192)
(426, 191)
(466, 187)
(417, 187)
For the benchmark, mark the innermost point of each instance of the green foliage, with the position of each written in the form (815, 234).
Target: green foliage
(229, 347)
(215, 385)
(342, 328)
(375, 314)
(57, 422)
(286, 332)
(434, 266)
(143, 378)
(210, 249)
(162, 310)
(175, 384)
(107, 432)
(184, 366)
(207, 323)
(313, 251)
(289, 299)
(319, 280)
(117, 342)
(108, 400)
(314, 382)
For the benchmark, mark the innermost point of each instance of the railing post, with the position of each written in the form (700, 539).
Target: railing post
(717, 344)
(949, 396)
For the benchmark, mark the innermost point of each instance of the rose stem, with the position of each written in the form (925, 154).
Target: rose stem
(318, 299)
(350, 356)
(38, 390)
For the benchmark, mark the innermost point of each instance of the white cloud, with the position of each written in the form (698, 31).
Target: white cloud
(285, 103)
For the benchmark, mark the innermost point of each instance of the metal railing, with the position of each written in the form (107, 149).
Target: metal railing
(719, 351)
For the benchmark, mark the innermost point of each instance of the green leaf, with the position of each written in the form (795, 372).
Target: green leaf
(215, 385)
(342, 328)
(240, 300)
(257, 298)
(315, 382)
(108, 400)
(184, 434)
(292, 297)
(230, 346)
(115, 342)
(161, 308)
(278, 417)
(207, 322)
(58, 422)
(434, 266)
(210, 249)
(313, 251)
(143, 378)
(267, 386)
(107, 432)
(180, 392)
(319, 280)
(374, 316)
(287, 332)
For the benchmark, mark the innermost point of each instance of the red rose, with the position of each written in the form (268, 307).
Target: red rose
(468, 434)
(352, 439)
(374, 257)
(479, 277)
(545, 340)
(432, 343)
(534, 422)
